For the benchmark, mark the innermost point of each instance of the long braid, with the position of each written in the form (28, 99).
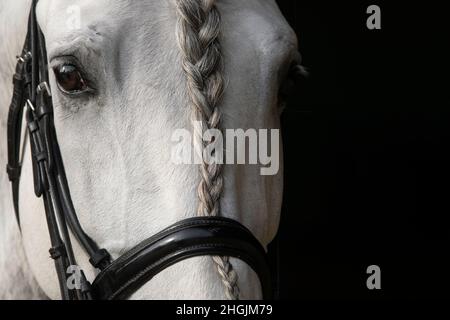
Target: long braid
(198, 37)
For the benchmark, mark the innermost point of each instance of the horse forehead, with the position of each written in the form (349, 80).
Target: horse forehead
(258, 19)
(109, 26)
(254, 27)
(66, 16)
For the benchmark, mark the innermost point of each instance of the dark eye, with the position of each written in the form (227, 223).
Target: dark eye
(297, 73)
(69, 79)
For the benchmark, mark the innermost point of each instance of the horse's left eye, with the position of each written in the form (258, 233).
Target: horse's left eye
(69, 79)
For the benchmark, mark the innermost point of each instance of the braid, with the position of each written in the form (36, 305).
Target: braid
(198, 37)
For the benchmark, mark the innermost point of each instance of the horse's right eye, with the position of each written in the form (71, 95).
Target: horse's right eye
(69, 79)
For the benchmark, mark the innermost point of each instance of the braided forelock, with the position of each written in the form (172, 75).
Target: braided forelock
(198, 37)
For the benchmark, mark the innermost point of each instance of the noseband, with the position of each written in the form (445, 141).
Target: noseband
(120, 278)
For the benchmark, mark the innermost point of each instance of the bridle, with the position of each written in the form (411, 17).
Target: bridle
(119, 278)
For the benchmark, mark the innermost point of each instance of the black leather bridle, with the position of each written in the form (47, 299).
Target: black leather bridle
(120, 278)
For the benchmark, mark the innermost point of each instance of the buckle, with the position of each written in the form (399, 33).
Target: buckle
(44, 87)
(24, 57)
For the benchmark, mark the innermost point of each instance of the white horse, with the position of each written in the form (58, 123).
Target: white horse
(115, 138)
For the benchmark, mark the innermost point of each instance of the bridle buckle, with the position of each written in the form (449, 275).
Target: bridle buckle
(24, 57)
(44, 87)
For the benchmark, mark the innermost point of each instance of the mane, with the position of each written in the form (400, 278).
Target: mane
(198, 33)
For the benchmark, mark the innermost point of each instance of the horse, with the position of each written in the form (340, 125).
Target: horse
(124, 76)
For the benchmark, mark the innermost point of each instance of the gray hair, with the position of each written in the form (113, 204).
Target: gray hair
(198, 32)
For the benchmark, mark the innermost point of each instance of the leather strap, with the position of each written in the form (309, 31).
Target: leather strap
(185, 239)
(14, 131)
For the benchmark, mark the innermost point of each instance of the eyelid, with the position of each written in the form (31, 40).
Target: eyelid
(65, 59)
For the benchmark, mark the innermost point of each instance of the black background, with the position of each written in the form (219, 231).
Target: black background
(367, 169)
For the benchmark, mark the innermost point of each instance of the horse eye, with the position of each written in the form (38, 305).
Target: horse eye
(69, 79)
(297, 73)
